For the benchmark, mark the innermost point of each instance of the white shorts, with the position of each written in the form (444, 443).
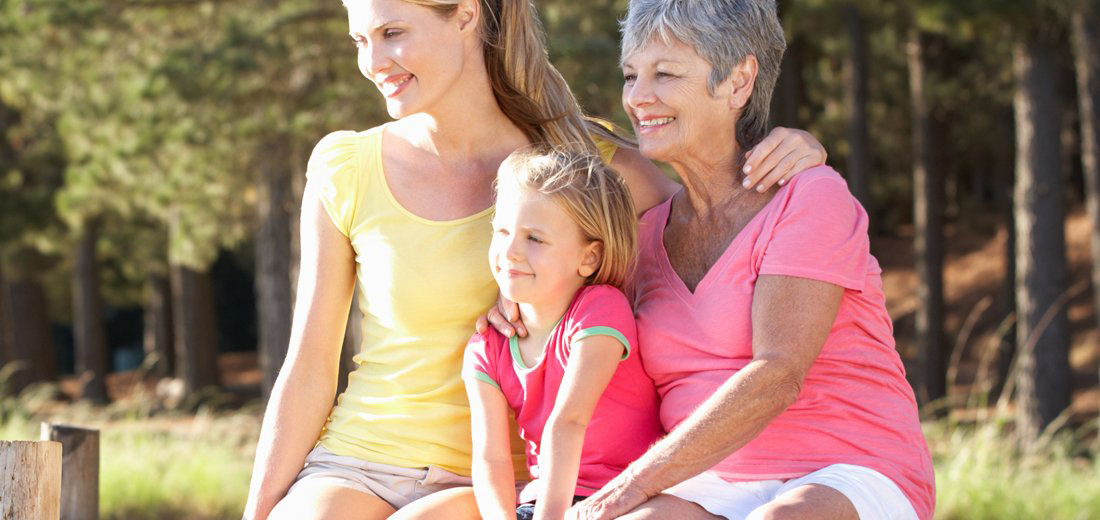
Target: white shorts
(874, 496)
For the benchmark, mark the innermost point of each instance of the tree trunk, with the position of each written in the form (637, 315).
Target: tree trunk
(856, 71)
(1042, 327)
(27, 332)
(273, 261)
(788, 89)
(89, 331)
(1086, 60)
(928, 246)
(196, 330)
(158, 336)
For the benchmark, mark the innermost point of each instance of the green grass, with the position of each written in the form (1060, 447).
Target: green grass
(167, 465)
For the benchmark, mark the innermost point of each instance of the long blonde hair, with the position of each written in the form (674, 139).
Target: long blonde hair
(529, 90)
(591, 193)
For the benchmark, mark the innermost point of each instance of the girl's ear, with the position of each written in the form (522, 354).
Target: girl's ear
(467, 14)
(742, 79)
(590, 262)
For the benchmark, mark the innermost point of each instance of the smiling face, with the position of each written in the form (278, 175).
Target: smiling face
(538, 254)
(665, 94)
(412, 53)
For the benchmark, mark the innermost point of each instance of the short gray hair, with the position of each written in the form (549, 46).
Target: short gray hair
(722, 32)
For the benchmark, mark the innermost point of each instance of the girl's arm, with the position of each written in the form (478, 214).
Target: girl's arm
(592, 363)
(306, 386)
(493, 474)
(783, 351)
(780, 156)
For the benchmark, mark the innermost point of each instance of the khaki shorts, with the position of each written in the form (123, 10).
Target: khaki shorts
(396, 485)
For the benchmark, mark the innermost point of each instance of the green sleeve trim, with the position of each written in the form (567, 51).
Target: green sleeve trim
(604, 331)
(484, 378)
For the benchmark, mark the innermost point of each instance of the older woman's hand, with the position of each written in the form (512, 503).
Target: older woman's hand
(504, 316)
(781, 155)
(608, 503)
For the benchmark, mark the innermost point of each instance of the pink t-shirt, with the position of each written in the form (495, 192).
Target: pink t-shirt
(624, 423)
(855, 406)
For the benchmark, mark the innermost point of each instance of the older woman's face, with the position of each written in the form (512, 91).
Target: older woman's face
(665, 94)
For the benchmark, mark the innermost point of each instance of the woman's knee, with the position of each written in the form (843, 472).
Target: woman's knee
(321, 500)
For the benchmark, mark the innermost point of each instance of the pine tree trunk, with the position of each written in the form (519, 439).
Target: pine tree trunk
(928, 246)
(28, 339)
(273, 262)
(856, 70)
(196, 330)
(1086, 60)
(158, 337)
(89, 330)
(1043, 377)
(788, 87)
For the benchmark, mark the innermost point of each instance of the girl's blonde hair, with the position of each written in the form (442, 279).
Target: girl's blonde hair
(530, 91)
(591, 193)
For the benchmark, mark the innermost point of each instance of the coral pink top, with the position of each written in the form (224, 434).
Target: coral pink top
(855, 406)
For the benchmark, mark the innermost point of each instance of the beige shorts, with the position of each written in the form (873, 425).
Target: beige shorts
(396, 485)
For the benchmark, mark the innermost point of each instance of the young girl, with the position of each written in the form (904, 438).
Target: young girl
(564, 241)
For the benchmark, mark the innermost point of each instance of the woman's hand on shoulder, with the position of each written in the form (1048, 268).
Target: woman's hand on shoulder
(780, 156)
(504, 316)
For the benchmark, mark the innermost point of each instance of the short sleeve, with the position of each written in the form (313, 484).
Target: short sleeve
(603, 310)
(605, 146)
(334, 172)
(821, 233)
(477, 361)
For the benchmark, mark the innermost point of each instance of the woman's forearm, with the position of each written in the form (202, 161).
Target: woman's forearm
(564, 441)
(735, 414)
(296, 413)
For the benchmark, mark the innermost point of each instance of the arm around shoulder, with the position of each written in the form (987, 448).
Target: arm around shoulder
(649, 186)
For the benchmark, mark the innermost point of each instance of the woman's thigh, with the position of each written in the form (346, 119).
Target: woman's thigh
(809, 502)
(326, 500)
(455, 503)
(667, 506)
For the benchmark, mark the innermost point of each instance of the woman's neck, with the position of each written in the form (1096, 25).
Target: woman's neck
(710, 182)
(467, 123)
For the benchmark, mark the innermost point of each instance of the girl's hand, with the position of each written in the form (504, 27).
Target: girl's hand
(504, 316)
(780, 156)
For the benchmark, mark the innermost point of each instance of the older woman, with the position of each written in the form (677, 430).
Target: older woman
(761, 316)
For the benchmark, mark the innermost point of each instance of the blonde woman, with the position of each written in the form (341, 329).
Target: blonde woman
(402, 213)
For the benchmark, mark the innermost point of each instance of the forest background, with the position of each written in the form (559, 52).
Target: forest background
(152, 157)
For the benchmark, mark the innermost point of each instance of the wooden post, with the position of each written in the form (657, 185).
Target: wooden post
(79, 471)
(31, 485)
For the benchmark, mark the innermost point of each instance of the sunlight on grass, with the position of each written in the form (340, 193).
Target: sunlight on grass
(980, 474)
(170, 465)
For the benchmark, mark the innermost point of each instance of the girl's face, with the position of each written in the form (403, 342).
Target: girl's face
(538, 254)
(665, 94)
(411, 53)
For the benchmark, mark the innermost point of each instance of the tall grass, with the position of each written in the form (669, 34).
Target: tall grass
(981, 474)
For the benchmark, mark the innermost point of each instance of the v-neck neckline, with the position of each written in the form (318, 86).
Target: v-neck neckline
(669, 271)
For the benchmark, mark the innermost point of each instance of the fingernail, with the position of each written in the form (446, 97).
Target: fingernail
(782, 181)
(508, 333)
(747, 182)
(760, 188)
(747, 168)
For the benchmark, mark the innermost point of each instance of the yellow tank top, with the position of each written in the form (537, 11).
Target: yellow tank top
(421, 286)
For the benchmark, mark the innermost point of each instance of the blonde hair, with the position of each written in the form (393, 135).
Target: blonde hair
(591, 193)
(530, 91)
